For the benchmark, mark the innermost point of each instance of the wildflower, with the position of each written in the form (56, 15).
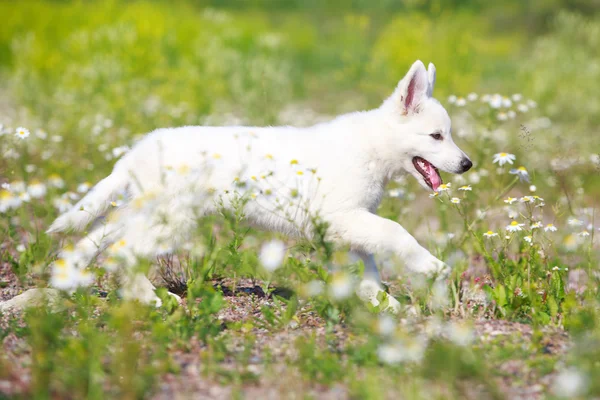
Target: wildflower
(434, 195)
(502, 116)
(452, 99)
(536, 225)
(56, 181)
(531, 104)
(294, 162)
(514, 227)
(516, 97)
(555, 268)
(84, 187)
(490, 234)
(269, 156)
(532, 188)
(495, 101)
(271, 254)
(503, 158)
(526, 199)
(465, 188)
(5, 186)
(22, 133)
(409, 350)
(455, 200)
(444, 187)
(472, 96)
(521, 172)
(397, 193)
(25, 197)
(461, 333)
(574, 222)
(41, 134)
(584, 233)
(550, 227)
(341, 286)
(314, 288)
(36, 189)
(570, 384)
(216, 156)
(460, 102)
(510, 200)
(62, 203)
(386, 325)
(439, 295)
(528, 239)
(522, 108)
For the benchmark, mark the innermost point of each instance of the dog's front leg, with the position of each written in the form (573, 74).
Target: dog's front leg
(368, 233)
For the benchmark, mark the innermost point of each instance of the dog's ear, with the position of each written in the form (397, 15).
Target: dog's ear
(413, 88)
(431, 79)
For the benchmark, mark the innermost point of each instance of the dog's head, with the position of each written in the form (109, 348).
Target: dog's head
(421, 130)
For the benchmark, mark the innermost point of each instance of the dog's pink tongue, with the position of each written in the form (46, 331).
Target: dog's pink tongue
(434, 177)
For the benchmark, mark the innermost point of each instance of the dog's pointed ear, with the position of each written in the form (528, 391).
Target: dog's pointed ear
(431, 79)
(413, 88)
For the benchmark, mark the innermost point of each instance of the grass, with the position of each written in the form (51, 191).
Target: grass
(518, 316)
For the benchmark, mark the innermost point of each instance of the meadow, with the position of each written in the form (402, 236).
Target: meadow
(267, 317)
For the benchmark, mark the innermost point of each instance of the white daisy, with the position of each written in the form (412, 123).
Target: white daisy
(575, 222)
(490, 234)
(472, 96)
(465, 188)
(536, 225)
(84, 187)
(271, 254)
(510, 200)
(444, 187)
(36, 189)
(460, 102)
(341, 286)
(455, 200)
(514, 227)
(521, 172)
(584, 233)
(396, 193)
(550, 228)
(528, 239)
(22, 133)
(452, 99)
(495, 101)
(56, 181)
(503, 158)
(516, 97)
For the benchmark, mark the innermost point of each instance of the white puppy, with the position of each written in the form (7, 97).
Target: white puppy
(282, 176)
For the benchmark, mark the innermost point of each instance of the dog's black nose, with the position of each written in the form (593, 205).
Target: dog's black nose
(465, 165)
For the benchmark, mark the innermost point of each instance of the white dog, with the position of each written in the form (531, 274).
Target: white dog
(283, 176)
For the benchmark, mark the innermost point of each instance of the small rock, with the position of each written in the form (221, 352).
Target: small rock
(32, 298)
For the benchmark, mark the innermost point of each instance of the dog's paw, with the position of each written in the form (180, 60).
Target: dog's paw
(178, 298)
(371, 292)
(430, 266)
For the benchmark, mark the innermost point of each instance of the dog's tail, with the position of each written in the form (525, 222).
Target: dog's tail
(93, 204)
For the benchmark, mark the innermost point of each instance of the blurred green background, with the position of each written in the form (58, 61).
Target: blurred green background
(73, 65)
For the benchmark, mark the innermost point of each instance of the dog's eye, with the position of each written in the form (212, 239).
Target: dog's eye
(436, 136)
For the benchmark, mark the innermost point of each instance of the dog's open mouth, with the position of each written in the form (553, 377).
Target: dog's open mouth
(430, 173)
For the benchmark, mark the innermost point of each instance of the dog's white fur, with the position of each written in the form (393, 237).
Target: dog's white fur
(337, 170)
